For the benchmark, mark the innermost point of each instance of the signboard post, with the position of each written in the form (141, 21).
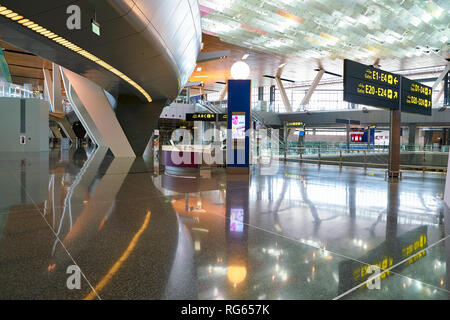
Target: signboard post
(374, 87)
(394, 144)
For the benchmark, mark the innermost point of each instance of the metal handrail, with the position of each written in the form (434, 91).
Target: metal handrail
(338, 156)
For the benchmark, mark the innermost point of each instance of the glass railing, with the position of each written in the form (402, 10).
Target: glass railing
(411, 157)
(10, 90)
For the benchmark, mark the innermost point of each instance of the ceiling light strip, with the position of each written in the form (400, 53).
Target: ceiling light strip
(26, 23)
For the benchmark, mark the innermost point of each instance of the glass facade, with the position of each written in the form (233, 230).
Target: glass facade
(324, 98)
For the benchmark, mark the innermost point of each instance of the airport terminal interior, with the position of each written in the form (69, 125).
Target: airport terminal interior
(224, 149)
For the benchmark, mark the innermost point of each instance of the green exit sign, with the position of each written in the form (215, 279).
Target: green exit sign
(96, 27)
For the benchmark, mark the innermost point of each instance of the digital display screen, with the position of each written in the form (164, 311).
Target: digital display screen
(416, 98)
(237, 220)
(238, 126)
(370, 86)
(206, 117)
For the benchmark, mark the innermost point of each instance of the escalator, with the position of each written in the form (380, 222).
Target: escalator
(212, 108)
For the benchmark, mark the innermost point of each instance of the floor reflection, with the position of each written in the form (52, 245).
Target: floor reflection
(302, 233)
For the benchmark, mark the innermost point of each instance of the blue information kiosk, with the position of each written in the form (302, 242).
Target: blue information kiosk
(239, 123)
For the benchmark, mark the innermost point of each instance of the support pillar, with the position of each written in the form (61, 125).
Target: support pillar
(347, 130)
(224, 92)
(313, 87)
(96, 114)
(56, 88)
(446, 90)
(394, 144)
(411, 137)
(272, 98)
(138, 120)
(260, 93)
(284, 97)
(441, 77)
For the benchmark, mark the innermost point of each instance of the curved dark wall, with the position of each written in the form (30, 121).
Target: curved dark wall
(138, 120)
(153, 42)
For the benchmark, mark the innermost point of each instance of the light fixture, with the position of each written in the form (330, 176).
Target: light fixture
(240, 70)
(337, 34)
(26, 23)
(245, 56)
(199, 69)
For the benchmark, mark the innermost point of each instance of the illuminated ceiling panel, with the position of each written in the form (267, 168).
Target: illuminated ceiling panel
(355, 29)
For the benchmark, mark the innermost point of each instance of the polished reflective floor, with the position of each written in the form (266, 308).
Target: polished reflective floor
(291, 231)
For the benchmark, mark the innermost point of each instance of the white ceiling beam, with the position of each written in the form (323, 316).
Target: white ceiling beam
(284, 97)
(313, 87)
(441, 76)
(223, 93)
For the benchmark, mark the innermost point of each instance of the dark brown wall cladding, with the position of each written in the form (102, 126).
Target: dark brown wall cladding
(138, 120)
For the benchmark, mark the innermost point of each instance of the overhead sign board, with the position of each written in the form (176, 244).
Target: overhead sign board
(416, 98)
(206, 116)
(295, 124)
(370, 86)
(374, 87)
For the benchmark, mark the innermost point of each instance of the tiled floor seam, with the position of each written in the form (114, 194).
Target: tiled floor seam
(391, 268)
(352, 259)
(62, 244)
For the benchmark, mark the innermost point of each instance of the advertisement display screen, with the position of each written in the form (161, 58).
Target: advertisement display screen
(237, 220)
(238, 126)
(370, 86)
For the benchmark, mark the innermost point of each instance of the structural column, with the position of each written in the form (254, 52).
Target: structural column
(56, 88)
(394, 144)
(97, 115)
(347, 130)
(272, 98)
(411, 136)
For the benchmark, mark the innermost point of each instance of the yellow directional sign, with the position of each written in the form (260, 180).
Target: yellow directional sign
(416, 97)
(370, 86)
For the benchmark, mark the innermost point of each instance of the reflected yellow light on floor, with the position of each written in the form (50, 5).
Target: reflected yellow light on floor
(236, 274)
(118, 264)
